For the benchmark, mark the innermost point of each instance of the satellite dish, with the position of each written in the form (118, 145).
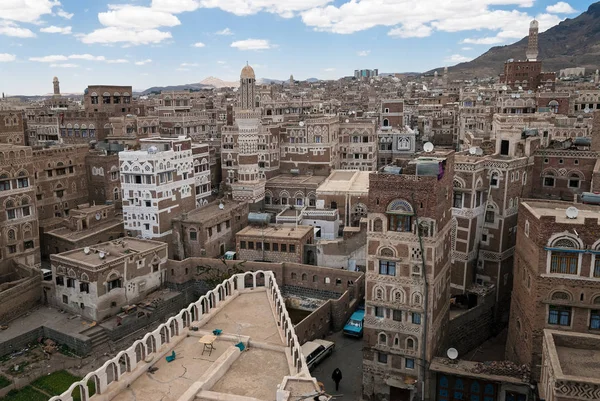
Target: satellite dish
(473, 150)
(504, 88)
(301, 123)
(86, 250)
(572, 212)
(586, 110)
(347, 121)
(479, 98)
(428, 147)
(520, 88)
(98, 216)
(452, 353)
(478, 151)
(152, 150)
(530, 91)
(101, 255)
(221, 206)
(518, 95)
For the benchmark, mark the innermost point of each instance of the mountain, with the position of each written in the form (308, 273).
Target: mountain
(269, 81)
(193, 87)
(219, 83)
(572, 43)
(313, 80)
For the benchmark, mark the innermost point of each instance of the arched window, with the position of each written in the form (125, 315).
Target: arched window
(548, 179)
(564, 259)
(377, 225)
(386, 122)
(382, 339)
(553, 106)
(494, 180)
(12, 235)
(410, 343)
(574, 180)
(490, 214)
(561, 296)
(116, 193)
(400, 214)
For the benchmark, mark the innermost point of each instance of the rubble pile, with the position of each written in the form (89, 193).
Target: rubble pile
(503, 368)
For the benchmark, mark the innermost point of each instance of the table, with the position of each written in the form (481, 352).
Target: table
(208, 341)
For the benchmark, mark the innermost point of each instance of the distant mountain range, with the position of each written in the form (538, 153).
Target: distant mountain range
(213, 82)
(572, 43)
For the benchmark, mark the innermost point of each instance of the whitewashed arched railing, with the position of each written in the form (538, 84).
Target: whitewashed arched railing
(151, 343)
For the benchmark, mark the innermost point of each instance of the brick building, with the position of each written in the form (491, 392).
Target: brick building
(19, 233)
(274, 243)
(111, 99)
(97, 281)
(358, 145)
(82, 126)
(103, 177)
(209, 231)
(86, 226)
(60, 179)
(408, 275)
(12, 128)
(557, 276)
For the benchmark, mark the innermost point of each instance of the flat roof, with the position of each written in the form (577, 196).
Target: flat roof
(291, 180)
(245, 316)
(574, 356)
(277, 231)
(210, 211)
(113, 250)
(346, 181)
(73, 236)
(558, 210)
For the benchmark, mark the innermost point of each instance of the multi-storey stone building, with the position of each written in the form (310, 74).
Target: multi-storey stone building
(158, 184)
(82, 126)
(274, 243)
(19, 234)
(408, 275)
(395, 143)
(202, 177)
(60, 179)
(557, 276)
(12, 128)
(103, 177)
(96, 281)
(358, 145)
(209, 231)
(42, 126)
(111, 99)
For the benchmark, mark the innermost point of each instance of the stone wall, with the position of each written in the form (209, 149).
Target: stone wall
(472, 328)
(21, 297)
(315, 325)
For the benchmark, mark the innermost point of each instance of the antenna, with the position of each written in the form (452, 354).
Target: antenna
(428, 147)
(572, 212)
(452, 353)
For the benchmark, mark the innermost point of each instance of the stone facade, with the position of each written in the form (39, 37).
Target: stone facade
(19, 231)
(274, 243)
(408, 275)
(557, 277)
(97, 281)
(103, 178)
(12, 128)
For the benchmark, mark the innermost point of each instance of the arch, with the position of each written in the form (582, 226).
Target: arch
(164, 335)
(382, 339)
(111, 373)
(140, 351)
(379, 293)
(386, 122)
(561, 295)
(410, 343)
(377, 225)
(387, 252)
(458, 182)
(124, 363)
(77, 392)
(566, 241)
(93, 385)
(248, 280)
(416, 298)
(174, 327)
(304, 276)
(151, 344)
(398, 295)
(260, 278)
(400, 206)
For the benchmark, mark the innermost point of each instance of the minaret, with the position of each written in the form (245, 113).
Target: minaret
(291, 80)
(247, 84)
(532, 45)
(56, 85)
(597, 77)
(248, 185)
(445, 77)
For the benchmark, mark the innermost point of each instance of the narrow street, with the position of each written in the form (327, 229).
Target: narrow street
(348, 357)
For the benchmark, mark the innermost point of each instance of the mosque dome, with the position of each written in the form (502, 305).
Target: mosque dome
(247, 72)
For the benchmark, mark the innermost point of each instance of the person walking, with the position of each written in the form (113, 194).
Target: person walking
(337, 378)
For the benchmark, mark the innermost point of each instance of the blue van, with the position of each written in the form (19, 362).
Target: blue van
(354, 326)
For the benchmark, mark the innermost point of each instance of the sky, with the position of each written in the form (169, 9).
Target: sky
(147, 43)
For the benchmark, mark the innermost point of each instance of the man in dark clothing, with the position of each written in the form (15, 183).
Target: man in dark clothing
(337, 378)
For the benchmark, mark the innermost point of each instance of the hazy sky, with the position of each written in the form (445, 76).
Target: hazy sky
(167, 42)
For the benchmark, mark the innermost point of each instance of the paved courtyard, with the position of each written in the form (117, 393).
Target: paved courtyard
(348, 357)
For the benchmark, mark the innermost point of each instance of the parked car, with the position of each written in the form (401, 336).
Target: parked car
(354, 326)
(47, 274)
(315, 351)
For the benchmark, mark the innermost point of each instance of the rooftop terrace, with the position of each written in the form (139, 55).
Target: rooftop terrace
(257, 355)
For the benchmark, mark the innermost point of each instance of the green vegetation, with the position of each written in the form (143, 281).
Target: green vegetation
(25, 394)
(58, 382)
(4, 381)
(53, 384)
